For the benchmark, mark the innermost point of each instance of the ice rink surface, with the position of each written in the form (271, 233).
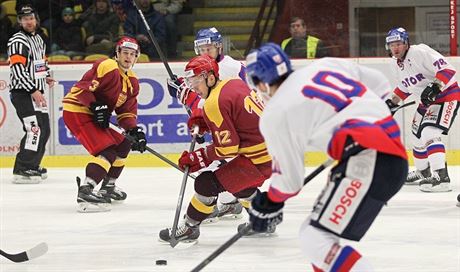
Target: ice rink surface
(415, 232)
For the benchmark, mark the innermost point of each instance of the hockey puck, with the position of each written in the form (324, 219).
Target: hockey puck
(161, 262)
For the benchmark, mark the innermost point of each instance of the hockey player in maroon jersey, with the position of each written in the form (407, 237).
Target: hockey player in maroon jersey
(110, 85)
(231, 115)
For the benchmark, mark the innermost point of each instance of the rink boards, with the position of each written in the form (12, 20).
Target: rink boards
(161, 116)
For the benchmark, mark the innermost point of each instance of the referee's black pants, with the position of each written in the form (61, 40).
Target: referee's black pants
(36, 125)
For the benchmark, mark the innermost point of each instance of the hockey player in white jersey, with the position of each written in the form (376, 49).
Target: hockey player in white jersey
(427, 76)
(326, 106)
(208, 41)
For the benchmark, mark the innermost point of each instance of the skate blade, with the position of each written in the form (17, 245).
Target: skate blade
(18, 179)
(85, 207)
(210, 220)
(412, 183)
(231, 216)
(181, 244)
(260, 235)
(436, 189)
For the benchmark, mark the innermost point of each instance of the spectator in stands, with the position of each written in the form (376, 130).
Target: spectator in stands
(170, 9)
(6, 29)
(68, 37)
(134, 26)
(102, 29)
(300, 44)
(120, 7)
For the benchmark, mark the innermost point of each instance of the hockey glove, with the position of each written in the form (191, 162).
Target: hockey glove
(173, 85)
(392, 106)
(139, 142)
(197, 119)
(265, 213)
(429, 93)
(101, 114)
(195, 160)
(185, 95)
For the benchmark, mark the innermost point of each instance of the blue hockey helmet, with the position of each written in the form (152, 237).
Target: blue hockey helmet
(267, 64)
(207, 36)
(395, 35)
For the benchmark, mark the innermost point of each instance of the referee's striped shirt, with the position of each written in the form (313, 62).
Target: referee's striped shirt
(24, 50)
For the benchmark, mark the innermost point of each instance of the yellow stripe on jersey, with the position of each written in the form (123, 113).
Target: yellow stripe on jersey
(261, 160)
(200, 206)
(101, 162)
(211, 105)
(76, 108)
(254, 148)
(106, 67)
(225, 151)
(125, 115)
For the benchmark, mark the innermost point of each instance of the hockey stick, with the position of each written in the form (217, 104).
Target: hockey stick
(27, 255)
(248, 227)
(173, 242)
(161, 157)
(394, 110)
(173, 77)
(155, 42)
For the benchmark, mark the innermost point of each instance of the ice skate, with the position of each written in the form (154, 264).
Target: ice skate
(437, 183)
(43, 172)
(185, 233)
(30, 176)
(269, 233)
(458, 200)
(90, 201)
(112, 192)
(229, 211)
(415, 176)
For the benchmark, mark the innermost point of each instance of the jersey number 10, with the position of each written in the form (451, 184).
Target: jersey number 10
(334, 89)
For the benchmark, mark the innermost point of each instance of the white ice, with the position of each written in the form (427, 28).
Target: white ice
(415, 232)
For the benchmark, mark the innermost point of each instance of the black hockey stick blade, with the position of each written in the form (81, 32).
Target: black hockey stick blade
(30, 254)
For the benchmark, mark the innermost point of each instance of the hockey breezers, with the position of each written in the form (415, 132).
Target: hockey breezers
(247, 228)
(27, 255)
(161, 157)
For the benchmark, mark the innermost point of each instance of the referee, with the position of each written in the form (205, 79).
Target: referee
(29, 75)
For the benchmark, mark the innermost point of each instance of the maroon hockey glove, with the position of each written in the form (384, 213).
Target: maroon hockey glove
(197, 119)
(195, 160)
